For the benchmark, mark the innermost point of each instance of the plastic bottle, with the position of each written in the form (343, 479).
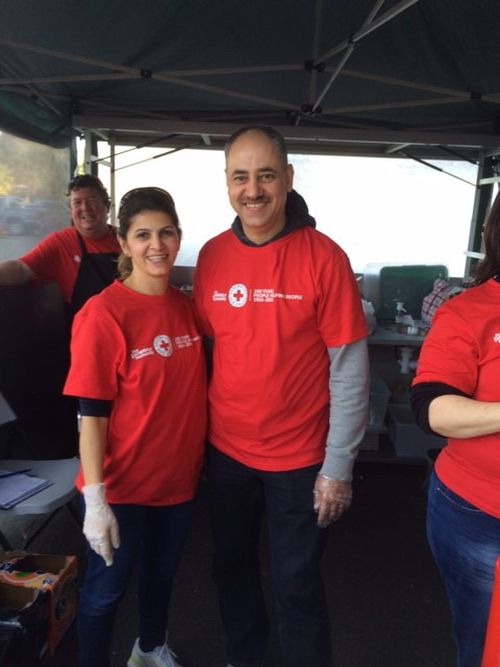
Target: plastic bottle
(400, 312)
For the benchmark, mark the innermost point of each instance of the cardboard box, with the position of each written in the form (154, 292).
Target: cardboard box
(24, 623)
(54, 574)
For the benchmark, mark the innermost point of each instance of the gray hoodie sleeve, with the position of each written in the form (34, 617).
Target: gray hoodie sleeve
(349, 395)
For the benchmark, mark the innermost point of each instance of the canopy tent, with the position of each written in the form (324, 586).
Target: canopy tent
(368, 76)
(418, 78)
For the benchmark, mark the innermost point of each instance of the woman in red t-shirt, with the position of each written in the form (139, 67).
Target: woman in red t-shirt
(456, 394)
(138, 370)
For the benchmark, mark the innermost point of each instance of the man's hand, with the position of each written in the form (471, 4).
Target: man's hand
(99, 525)
(331, 499)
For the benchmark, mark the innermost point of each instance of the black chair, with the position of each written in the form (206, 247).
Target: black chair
(34, 359)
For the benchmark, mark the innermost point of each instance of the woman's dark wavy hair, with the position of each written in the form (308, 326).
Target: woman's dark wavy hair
(489, 267)
(137, 201)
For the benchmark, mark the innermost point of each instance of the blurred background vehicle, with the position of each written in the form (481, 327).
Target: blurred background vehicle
(39, 217)
(48, 215)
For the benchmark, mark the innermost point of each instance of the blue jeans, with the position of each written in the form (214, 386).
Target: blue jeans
(238, 498)
(154, 534)
(465, 543)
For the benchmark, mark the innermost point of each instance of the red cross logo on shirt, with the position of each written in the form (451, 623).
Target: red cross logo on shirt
(163, 345)
(238, 295)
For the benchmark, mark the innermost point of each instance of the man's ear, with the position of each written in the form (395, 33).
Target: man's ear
(289, 177)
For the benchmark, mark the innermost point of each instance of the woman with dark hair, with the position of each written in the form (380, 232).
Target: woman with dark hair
(456, 394)
(138, 371)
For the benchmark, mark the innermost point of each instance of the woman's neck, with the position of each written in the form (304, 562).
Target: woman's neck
(152, 287)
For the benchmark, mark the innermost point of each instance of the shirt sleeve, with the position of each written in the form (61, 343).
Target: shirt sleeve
(97, 352)
(198, 297)
(450, 353)
(92, 407)
(349, 386)
(422, 395)
(340, 314)
(44, 259)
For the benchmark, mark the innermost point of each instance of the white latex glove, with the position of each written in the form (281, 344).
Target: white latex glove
(99, 524)
(332, 497)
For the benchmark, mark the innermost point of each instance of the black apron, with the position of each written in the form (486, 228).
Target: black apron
(97, 271)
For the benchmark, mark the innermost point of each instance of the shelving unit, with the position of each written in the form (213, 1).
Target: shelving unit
(393, 436)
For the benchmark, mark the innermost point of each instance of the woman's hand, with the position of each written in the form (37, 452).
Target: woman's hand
(99, 525)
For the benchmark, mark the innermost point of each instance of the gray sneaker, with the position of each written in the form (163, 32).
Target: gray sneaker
(161, 656)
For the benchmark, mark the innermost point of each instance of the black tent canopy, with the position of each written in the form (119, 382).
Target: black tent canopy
(418, 78)
(356, 76)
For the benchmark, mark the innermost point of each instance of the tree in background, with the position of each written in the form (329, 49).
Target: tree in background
(5, 180)
(32, 170)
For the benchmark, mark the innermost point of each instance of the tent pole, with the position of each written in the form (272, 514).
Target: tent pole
(87, 155)
(112, 177)
(350, 48)
(73, 158)
(482, 202)
(368, 26)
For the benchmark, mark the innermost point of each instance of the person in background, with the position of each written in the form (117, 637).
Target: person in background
(138, 368)
(81, 259)
(288, 400)
(456, 394)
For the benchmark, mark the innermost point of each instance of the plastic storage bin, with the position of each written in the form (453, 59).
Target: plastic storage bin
(408, 439)
(379, 399)
(384, 285)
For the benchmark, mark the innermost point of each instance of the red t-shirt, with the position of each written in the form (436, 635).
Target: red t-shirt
(273, 312)
(57, 258)
(144, 354)
(462, 349)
